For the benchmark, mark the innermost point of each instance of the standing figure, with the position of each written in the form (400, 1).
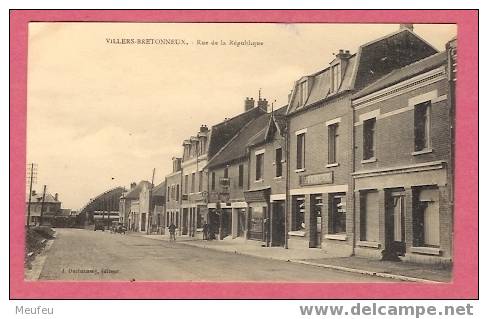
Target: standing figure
(172, 232)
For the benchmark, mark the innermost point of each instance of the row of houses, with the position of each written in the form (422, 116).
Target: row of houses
(359, 162)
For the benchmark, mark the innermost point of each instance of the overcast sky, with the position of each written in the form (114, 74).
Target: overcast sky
(102, 115)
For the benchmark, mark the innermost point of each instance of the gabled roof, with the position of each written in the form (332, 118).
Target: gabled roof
(236, 148)
(277, 121)
(48, 198)
(222, 133)
(134, 193)
(159, 190)
(404, 73)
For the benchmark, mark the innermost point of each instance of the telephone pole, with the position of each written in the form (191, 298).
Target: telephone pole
(149, 214)
(32, 175)
(42, 205)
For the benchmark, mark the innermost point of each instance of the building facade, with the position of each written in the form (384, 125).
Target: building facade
(173, 195)
(43, 208)
(320, 135)
(194, 182)
(403, 182)
(229, 179)
(266, 194)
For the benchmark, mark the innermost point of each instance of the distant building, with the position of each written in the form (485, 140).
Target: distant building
(229, 178)
(107, 201)
(46, 206)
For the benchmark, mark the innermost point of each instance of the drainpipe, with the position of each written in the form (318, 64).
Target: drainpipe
(352, 181)
(287, 182)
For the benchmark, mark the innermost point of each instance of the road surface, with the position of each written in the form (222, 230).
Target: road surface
(79, 254)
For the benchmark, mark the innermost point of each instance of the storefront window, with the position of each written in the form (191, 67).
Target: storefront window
(426, 218)
(256, 218)
(337, 219)
(299, 212)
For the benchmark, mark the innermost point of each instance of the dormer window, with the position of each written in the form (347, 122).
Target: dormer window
(302, 92)
(335, 79)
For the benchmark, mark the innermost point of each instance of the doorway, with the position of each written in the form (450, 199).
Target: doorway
(184, 222)
(278, 223)
(395, 223)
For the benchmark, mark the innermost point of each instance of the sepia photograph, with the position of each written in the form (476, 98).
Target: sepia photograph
(240, 152)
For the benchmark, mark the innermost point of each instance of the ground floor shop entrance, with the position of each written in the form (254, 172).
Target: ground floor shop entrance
(395, 222)
(278, 223)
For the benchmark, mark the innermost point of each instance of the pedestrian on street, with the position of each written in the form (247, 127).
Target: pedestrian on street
(172, 232)
(205, 231)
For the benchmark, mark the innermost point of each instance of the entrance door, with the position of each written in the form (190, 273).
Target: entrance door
(184, 222)
(316, 221)
(395, 223)
(278, 223)
(226, 222)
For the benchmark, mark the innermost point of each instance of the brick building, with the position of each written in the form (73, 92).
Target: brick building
(173, 195)
(266, 193)
(403, 133)
(43, 208)
(228, 173)
(320, 121)
(194, 181)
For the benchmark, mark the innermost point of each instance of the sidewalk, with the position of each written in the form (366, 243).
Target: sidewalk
(319, 258)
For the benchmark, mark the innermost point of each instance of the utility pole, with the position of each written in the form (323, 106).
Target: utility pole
(42, 205)
(149, 219)
(32, 175)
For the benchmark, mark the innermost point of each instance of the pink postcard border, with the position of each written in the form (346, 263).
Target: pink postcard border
(465, 271)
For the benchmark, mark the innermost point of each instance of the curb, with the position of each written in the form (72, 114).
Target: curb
(370, 273)
(334, 267)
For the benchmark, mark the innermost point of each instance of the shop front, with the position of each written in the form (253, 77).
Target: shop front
(404, 212)
(258, 215)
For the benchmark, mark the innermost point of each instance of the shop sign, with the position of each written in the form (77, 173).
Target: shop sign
(317, 179)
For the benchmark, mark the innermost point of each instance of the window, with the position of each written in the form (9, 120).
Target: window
(178, 192)
(226, 172)
(259, 166)
(213, 181)
(193, 182)
(278, 163)
(200, 181)
(335, 77)
(422, 126)
(369, 216)
(337, 217)
(299, 213)
(301, 151)
(241, 175)
(168, 195)
(303, 92)
(186, 184)
(332, 147)
(426, 218)
(369, 138)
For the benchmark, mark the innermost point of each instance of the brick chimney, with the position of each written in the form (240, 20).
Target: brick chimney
(343, 54)
(133, 185)
(248, 104)
(56, 197)
(263, 104)
(408, 26)
(203, 129)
